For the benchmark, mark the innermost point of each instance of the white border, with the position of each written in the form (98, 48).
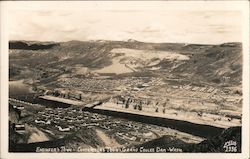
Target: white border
(171, 5)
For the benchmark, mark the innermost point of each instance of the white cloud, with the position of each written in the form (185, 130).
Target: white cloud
(151, 25)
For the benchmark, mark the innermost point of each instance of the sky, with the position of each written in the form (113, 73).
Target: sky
(123, 21)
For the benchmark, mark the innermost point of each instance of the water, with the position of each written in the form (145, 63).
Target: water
(19, 88)
(21, 91)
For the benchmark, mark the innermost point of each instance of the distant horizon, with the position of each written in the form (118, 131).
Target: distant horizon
(43, 41)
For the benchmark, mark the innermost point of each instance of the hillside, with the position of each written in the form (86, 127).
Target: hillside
(214, 144)
(46, 61)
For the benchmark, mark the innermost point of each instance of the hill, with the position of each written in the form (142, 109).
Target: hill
(45, 61)
(214, 144)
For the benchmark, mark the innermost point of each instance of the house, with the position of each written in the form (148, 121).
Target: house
(20, 128)
(131, 138)
(63, 129)
(18, 107)
(48, 122)
(40, 121)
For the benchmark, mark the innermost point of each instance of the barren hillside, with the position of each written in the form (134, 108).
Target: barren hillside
(41, 61)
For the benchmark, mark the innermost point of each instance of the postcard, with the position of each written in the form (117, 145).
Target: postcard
(124, 79)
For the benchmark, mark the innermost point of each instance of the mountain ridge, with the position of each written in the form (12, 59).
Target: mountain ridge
(210, 63)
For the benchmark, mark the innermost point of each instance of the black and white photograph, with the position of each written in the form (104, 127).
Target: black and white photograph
(125, 77)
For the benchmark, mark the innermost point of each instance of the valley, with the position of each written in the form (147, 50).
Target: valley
(109, 89)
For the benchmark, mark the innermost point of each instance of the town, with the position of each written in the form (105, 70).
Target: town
(60, 122)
